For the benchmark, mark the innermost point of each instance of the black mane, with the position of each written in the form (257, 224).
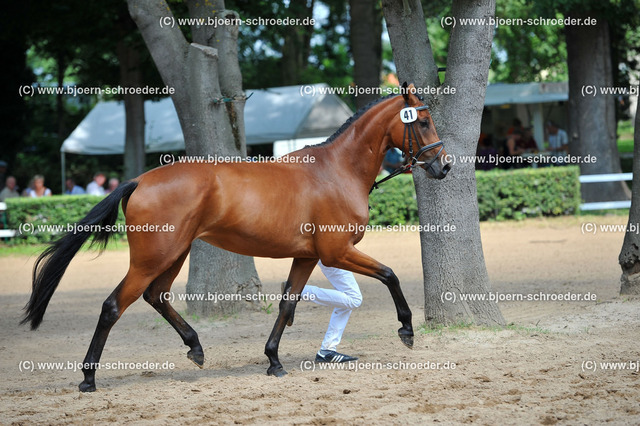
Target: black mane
(354, 117)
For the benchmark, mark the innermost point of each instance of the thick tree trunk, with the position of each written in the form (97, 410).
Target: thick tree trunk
(593, 123)
(131, 76)
(630, 254)
(453, 262)
(210, 126)
(366, 46)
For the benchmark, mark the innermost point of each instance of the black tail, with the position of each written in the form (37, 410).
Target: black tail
(52, 263)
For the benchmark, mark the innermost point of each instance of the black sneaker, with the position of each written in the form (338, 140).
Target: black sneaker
(333, 356)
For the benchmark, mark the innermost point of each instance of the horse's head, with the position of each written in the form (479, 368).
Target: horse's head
(414, 133)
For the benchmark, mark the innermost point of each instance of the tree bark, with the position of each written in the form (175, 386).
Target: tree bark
(131, 76)
(365, 25)
(593, 122)
(453, 263)
(629, 258)
(210, 126)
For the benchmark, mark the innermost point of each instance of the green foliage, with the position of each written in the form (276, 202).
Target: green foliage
(625, 136)
(526, 53)
(502, 195)
(394, 202)
(517, 194)
(30, 214)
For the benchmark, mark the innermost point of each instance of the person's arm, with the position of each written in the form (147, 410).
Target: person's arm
(564, 142)
(511, 147)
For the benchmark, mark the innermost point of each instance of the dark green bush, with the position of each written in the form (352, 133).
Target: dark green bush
(29, 215)
(502, 194)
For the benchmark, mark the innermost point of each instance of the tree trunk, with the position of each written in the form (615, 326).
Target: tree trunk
(297, 43)
(131, 76)
(453, 263)
(200, 72)
(629, 258)
(593, 125)
(366, 46)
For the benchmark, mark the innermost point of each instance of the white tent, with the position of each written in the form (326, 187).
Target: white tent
(289, 117)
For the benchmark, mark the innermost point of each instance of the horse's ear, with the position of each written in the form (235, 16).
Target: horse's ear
(405, 92)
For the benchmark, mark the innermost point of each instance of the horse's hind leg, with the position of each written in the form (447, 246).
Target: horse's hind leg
(300, 271)
(127, 292)
(355, 261)
(154, 296)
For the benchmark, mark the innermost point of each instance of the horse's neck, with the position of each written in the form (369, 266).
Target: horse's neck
(359, 149)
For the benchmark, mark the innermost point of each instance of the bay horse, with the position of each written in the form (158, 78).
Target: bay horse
(251, 208)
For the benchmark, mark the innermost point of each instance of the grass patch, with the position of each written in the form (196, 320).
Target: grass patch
(36, 249)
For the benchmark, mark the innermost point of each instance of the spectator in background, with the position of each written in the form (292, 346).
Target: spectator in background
(558, 140)
(392, 160)
(9, 190)
(113, 184)
(486, 153)
(96, 187)
(72, 188)
(516, 124)
(37, 188)
(3, 172)
(528, 142)
(513, 149)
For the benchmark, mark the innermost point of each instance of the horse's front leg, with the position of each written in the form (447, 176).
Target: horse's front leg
(300, 271)
(355, 261)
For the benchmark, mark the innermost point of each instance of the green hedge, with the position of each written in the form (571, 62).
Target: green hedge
(521, 193)
(511, 194)
(57, 210)
(502, 194)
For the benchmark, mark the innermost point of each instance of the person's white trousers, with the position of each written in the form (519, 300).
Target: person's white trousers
(345, 298)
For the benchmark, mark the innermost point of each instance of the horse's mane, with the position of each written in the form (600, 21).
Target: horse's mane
(353, 118)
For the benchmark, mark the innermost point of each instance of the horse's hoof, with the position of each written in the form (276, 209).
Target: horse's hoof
(87, 387)
(407, 339)
(196, 357)
(277, 372)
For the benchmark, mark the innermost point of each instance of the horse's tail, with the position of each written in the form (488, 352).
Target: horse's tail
(52, 263)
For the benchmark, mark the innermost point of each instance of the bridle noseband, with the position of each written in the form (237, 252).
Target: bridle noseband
(415, 159)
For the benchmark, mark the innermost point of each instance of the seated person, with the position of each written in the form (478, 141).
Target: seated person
(72, 188)
(486, 153)
(513, 149)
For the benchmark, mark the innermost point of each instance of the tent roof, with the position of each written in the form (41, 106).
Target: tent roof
(526, 93)
(270, 115)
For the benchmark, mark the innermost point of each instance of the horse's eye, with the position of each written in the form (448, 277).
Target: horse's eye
(425, 123)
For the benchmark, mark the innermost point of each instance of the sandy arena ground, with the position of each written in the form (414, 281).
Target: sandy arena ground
(538, 371)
